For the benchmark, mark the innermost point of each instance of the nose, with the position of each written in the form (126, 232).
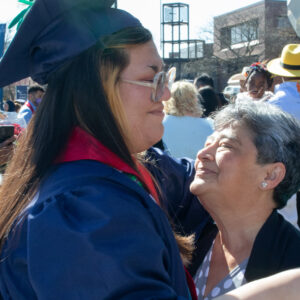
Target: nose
(206, 153)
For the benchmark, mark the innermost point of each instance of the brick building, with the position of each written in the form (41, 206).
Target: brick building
(256, 32)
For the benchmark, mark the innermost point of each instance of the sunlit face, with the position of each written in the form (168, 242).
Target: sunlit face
(256, 85)
(144, 116)
(226, 167)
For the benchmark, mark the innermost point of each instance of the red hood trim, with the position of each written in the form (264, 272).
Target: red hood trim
(81, 146)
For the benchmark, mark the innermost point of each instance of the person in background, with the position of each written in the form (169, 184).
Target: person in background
(239, 79)
(9, 106)
(35, 95)
(258, 84)
(9, 117)
(209, 100)
(17, 107)
(286, 70)
(247, 170)
(236, 84)
(206, 80)
(185, 131)
(203, 80)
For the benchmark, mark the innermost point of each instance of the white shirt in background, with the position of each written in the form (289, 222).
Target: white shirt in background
(185, 136)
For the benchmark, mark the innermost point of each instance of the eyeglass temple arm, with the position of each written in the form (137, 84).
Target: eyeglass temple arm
(142, 83)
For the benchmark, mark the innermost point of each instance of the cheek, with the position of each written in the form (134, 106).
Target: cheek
(132, 101)
(226, 164)
(144, 128)
(221, 158)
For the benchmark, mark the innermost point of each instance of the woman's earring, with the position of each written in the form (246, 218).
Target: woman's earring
(264, 184)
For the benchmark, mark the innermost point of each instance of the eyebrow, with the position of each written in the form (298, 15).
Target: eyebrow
(212, 138)
(156, 69)
(231, 138)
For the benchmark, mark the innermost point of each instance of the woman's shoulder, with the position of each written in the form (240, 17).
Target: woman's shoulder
(86, 185)
(276, 248)
(84, 201)
(278, 229)
(83, 226)
(282, 238)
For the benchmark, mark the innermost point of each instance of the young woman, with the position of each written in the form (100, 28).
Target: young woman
(83, 219)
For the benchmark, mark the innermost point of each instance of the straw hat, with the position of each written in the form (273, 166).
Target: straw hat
(288, 65)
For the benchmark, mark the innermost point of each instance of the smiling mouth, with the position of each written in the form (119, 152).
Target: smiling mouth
(159, 113)
(201, 171)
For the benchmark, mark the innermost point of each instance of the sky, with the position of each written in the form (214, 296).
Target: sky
(148, 12)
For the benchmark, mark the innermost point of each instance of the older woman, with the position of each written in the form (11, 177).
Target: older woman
(185, 129)
(248, 169)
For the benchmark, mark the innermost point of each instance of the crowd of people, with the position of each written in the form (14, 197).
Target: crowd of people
(97, 212)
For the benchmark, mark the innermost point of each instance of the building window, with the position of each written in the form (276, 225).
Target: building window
(283, 22)
(245, 32)
(225, 37)
(240, 33)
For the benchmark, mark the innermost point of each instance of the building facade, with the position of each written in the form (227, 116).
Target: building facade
(257, 32)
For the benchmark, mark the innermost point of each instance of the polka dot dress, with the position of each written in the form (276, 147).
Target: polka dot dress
(232, 281)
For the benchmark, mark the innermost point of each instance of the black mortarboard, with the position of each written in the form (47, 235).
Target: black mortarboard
(56, 30)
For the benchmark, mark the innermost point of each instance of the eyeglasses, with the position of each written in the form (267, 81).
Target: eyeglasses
(160, 81)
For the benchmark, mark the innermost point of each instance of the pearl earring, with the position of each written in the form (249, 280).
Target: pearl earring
(264, 184)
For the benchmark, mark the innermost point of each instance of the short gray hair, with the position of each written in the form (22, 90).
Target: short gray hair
(276, 135)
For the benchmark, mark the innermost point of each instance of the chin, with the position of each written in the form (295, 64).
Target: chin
(157, 137)
(196, 186)
(146, 145)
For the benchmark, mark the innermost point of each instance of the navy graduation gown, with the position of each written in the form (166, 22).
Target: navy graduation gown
(92, 233)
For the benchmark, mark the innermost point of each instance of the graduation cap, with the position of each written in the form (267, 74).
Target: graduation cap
(54, 31)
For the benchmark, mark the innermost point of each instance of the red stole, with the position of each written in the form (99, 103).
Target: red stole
(82, 145)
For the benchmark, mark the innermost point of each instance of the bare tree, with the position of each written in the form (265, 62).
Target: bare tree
(233, 48)
(255, 33)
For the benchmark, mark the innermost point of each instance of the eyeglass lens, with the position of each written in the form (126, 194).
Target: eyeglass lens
(160, 85)
(160, 81)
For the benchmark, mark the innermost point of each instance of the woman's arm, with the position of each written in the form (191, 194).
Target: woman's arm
(174, 177)
(284, 285)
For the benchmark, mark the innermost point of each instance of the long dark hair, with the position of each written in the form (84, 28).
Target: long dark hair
(81, 93)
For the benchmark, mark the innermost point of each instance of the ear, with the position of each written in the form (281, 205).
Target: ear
(275, 175)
